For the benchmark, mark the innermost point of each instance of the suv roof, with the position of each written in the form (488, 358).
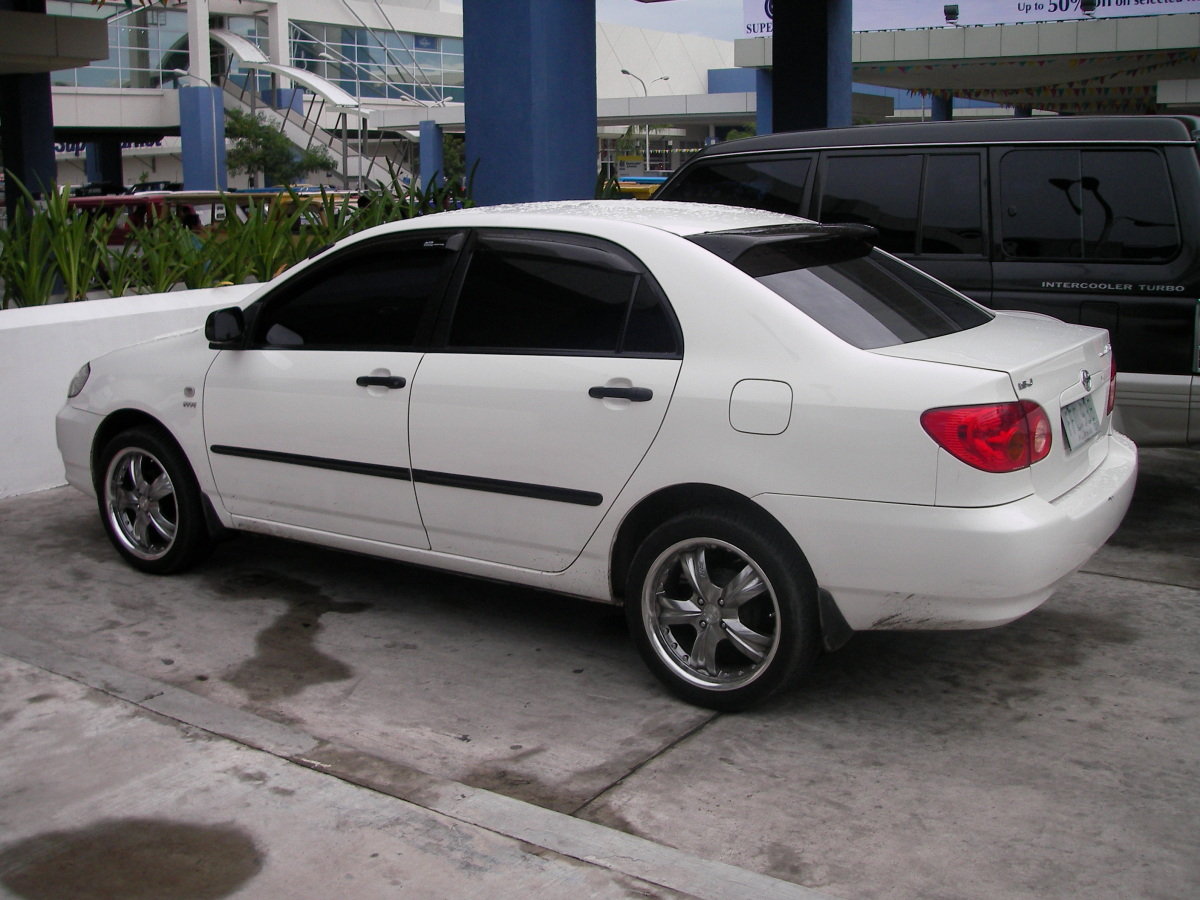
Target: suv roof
(1159, 129)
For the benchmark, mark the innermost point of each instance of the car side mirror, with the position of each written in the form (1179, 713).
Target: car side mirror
(225, 329)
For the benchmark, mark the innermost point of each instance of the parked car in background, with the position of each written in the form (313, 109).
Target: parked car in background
(1090, 220)
(758, 433)
(140, 210)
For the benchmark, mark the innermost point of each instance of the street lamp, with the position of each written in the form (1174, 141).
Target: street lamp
(212, 108)
(646, 93)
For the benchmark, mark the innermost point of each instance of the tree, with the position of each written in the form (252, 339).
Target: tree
(259, 147)
(453, 158)
(744, 131)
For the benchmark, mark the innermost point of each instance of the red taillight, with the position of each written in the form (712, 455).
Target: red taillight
(995, 437)
(1112, 385)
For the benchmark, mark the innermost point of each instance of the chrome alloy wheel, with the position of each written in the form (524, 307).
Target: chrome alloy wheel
(139, 499)
(711, 614)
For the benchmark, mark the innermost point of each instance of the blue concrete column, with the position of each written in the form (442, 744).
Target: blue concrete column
(764, 89)
(102, 161)
(433, 167)
(202, 129)
(813, 72)
(942, 108)
(531, 99)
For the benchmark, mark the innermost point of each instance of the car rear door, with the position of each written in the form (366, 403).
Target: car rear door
(559, 360)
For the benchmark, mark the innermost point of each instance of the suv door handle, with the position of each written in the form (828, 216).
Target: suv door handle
(636, 394)
(387, 381)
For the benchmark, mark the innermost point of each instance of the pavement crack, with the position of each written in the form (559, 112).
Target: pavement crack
(657, 754)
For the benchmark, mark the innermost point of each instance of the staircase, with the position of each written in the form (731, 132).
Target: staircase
(351, 166)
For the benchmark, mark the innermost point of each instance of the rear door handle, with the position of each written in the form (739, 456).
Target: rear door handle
(387, 381)
(636, 394)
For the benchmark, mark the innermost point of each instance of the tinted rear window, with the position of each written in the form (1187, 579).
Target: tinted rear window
(777, 185)
(864, 296)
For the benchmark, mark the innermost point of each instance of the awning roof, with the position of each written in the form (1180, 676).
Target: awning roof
(250, 56)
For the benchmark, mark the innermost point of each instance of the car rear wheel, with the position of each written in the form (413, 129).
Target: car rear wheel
(150, 503)
(722, 610)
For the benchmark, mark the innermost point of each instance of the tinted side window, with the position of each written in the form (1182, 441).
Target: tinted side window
(365, 298)
(879, 190)
(522, 293)
(1092, 204)
(952, 214)
(776, 185)
(1128, 209)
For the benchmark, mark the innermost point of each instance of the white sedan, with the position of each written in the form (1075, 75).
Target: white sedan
(755, 432)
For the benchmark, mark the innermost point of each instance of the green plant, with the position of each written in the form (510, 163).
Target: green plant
(254, 242)
(122, 271)
(168, 252)
(74, 242)
(27, 259)
(607, 188)
(266, 245)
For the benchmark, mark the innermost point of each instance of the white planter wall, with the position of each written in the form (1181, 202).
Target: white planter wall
(42, 347)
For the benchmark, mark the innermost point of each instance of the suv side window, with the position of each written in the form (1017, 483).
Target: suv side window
(776, 185)
(879, 190)
(927, 204)
(561, 293)
(952, 214)
(371, 296)
(1087, 204)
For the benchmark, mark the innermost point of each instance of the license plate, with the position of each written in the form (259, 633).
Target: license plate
(1080, 422)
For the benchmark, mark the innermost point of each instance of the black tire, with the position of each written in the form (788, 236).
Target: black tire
(707, 649)
(150, 503)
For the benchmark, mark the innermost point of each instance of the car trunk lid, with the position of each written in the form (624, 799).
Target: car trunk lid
(1064, 368)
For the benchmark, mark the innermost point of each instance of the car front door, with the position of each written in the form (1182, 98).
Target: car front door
(308, 426)
(555, 371)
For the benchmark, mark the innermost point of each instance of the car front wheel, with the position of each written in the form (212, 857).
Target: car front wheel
(150, 503)
(722, 610)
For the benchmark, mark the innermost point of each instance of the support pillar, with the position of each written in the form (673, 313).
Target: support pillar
(1023, 112)
(941, 108)
(28, 133)
(202, 133)
(102, 161)
(199, 63)
(813, 71)
(531, 99)
(764, 94)
(433, 166)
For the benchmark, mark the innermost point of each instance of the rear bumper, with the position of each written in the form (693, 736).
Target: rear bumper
(896, 566)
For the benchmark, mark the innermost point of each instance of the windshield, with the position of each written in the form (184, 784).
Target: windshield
(864, 296)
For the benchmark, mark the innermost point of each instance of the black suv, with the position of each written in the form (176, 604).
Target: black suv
(1091, 220)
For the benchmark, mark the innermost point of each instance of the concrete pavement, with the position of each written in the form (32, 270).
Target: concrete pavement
(294, 711)
(117, 786)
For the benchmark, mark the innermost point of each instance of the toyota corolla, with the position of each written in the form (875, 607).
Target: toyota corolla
(757, 433)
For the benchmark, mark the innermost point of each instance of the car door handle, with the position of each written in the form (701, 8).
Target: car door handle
(636, 394)
(387, 381)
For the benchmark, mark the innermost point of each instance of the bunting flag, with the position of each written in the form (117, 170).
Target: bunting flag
(1095, 91)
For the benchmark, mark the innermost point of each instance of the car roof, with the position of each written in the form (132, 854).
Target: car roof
(574, 215)
(1044, 129)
